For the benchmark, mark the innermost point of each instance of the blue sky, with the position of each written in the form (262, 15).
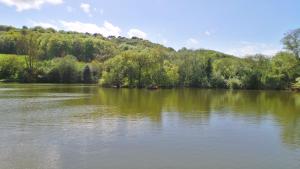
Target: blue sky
(237, 27)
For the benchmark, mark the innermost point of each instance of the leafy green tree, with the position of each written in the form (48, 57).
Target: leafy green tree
(283, 70)
(114, 72)
(27, 44)
(209, 69)
(88, 50)
(170, 75)
(194, 70)
(57, 47)
(10, 67)
(96, 69)
(291, 42)
(67, 69)
(32, 51)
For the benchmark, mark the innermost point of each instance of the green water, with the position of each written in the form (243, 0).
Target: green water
(87, 127)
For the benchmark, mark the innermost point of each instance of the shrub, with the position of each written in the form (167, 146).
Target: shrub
(234, 83)
(296, 86)
(67, 70)
(10, 67)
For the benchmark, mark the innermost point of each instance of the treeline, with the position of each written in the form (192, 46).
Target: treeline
(46, 55)
(200, 69)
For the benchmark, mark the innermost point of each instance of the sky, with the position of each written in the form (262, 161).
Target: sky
(239, 27)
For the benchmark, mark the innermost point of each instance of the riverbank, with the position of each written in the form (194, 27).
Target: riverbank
(142, 88)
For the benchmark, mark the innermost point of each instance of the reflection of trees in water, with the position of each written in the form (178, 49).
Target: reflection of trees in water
(283, 107)
(137, 104)
(198, 105)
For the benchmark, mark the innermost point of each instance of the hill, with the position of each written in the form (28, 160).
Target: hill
(70, 57)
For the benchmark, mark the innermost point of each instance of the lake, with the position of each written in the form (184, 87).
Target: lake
(87, 127)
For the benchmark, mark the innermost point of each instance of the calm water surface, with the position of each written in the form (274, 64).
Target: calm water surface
(86, 127)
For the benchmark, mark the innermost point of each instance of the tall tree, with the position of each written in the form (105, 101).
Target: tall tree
(291, 42)
(32, 51)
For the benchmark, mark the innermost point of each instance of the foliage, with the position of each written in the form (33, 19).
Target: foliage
(296, 85)
(87, 75)
(291, 42)
(45, 55)
(67, 69)
(10, 67)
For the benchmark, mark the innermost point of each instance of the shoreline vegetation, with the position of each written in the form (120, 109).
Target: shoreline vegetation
(39, 55)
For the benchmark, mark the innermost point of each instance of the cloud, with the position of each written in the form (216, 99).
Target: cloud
(136, 33)
(44, 25)
(22, 5)
(164, 42)
(107, 29)
(250, 48)
(192, 43)
(85, 7)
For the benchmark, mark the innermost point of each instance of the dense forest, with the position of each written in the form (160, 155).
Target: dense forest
(39, 55)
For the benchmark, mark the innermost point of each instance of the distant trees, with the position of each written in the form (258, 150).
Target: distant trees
(140, 69)
(51, 44)
(46, 55)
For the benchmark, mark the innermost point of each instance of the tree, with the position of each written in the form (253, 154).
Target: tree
(283, 70)
(57, 47)
(291, 41)
(114, 72)
(32, 52)
(27, 44)
(209, 69)
(10, 67)
(88, 50)
(67, 69)
(87, 75)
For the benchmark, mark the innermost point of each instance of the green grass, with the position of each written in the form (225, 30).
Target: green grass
(5, 56)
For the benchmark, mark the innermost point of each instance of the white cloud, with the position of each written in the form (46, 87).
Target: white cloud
(44, 25)
(86, 8)
(107, 29)
(164, 42)
(136, 33)
(250, 48)
(22, 5)
(192, 43)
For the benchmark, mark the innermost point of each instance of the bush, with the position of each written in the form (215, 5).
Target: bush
(234, 83)
(67, 70)
(275, 82)
(296, 86)
(10, 67)
(218, 81)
